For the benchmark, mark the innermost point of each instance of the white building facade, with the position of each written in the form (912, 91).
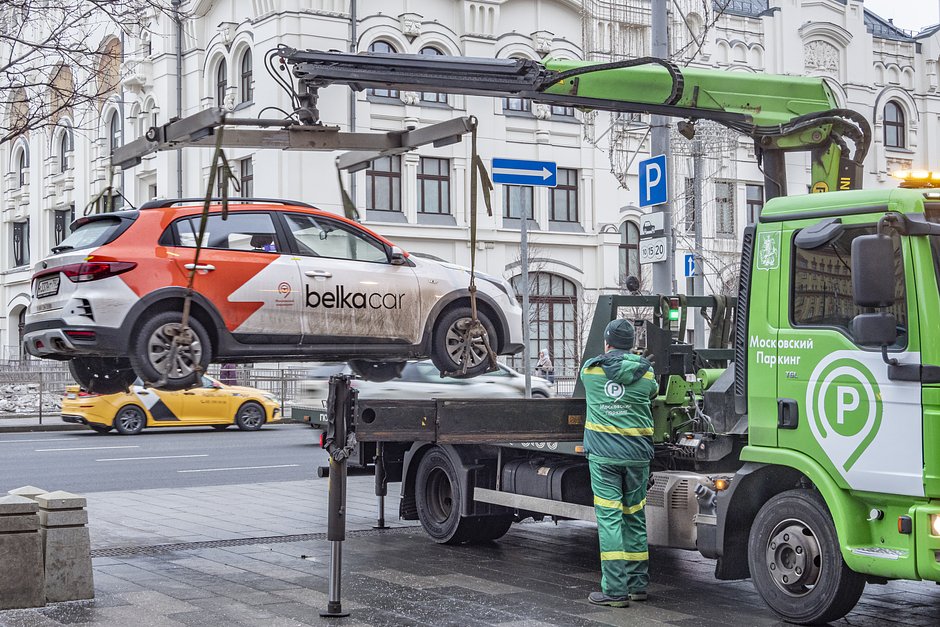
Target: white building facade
(583, 233)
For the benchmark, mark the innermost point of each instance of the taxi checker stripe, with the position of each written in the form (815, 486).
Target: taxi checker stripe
(624, 555)
(593, 426)
(618, 505)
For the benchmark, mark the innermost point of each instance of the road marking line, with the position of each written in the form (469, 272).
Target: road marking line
(125, 459)
(240, 468)
(38, 440)
(83, 448)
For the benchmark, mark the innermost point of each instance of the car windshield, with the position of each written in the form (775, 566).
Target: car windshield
(90, 234)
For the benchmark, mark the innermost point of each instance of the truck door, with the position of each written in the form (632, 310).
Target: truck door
(835, 400)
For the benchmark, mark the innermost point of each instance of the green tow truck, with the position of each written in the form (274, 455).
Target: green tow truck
(799, 449)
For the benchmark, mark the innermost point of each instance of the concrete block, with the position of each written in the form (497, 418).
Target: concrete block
(29, 491)
(21, 573)
(67, 557)
(13, 504)
(60, 500)
(63, 517)
(16, 523)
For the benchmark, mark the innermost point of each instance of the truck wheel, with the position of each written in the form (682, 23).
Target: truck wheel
(438, 495)
(102, 375)
(150, 350)
(795, 562)
(487, 528)
(447, 343)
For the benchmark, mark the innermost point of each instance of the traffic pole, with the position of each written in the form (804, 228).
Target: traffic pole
(664, 272)
(698, 280)
(339, 412)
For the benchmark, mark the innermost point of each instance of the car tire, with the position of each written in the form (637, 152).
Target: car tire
(796, 563)
(152, 344)
(102, 375)
(377, 371)
(446, 345)
(539, 394)
(438, 497)
(130, 420)
(250, 416)
(100, 429)
(220, 427)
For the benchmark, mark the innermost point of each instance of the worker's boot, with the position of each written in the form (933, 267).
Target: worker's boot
(599, 598)
(639, 595)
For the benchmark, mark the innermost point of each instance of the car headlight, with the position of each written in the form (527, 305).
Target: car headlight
(501, 283)
(270, 397)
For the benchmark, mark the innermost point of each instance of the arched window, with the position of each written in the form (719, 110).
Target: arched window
(221, 83)
(65, 149)
(383, 47)
(431, 51)
(894, 125)
(629, 251)
(22, 166)
(553, 302)
(246, 84)
(114, 132)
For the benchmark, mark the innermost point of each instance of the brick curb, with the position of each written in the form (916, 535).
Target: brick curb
(65, 426)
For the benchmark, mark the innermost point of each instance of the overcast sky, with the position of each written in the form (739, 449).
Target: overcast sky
(907, 14)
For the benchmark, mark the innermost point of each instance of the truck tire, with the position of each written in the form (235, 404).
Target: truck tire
(438, 494)
(487, 528)
(795, 561)
(446, 346)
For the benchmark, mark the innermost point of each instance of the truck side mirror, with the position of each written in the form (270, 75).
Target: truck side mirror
(875, 329)
(873, 281)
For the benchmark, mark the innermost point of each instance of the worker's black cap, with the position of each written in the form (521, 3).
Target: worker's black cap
(620, 334)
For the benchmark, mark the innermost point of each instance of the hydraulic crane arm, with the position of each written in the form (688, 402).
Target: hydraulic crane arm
(780, 113)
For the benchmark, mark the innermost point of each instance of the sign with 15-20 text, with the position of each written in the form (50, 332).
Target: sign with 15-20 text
(652, 250)
(521, 172)
(653, 181)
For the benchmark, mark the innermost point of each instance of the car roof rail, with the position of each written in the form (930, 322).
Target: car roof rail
(163, 203)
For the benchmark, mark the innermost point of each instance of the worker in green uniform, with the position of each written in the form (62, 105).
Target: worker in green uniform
(618, 441)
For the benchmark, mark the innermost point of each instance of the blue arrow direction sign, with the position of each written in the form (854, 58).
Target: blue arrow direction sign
(520, 172)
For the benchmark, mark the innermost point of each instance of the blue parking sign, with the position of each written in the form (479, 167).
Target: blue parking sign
(689, 265)
(653, 181)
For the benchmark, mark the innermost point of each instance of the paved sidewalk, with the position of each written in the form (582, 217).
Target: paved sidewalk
(192, 557)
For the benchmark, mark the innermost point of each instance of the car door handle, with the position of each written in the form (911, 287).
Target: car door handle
(199, 266)
(189, 393)
(321, 273)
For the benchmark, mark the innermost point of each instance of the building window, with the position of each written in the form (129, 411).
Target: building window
(383, 47)
(221, 83)
(65, 149)
(562, 112)
(629, 251)
(60, 224)
(21, 243)
(821, 293)
(755, 201)
(22, 166)
(246, 177)
(434, 185)
(518, 199)
(246, 85)
(563, 200)
(894, 125)
(431, 51)
(114, 132)
(552, 322)
(383, 185)
(517, 104)
(724, 208)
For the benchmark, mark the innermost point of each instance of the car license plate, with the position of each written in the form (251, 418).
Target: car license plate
(71, 395)
(47, 287)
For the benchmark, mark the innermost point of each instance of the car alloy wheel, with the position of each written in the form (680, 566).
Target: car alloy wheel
(130, 420)
(250, 416)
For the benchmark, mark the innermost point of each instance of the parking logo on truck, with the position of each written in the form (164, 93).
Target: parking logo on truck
(844, 407)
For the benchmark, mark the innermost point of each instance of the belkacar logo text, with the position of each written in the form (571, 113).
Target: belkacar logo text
(341, 298)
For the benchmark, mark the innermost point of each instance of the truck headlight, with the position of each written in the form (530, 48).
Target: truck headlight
(935, 525)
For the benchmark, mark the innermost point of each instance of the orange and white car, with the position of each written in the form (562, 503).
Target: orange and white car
(274, 280)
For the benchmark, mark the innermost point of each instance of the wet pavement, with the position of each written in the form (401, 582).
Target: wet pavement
(257, 555)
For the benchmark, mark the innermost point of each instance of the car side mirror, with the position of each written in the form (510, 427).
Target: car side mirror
(397, 256)
(875, 329)
(872, 286)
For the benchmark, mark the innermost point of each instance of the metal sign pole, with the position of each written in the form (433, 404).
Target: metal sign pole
(526, 333)
(340, 409)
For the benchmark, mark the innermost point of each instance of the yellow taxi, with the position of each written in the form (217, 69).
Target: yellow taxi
(211, 404)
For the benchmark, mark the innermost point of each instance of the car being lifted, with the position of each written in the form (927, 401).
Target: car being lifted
(274, 279)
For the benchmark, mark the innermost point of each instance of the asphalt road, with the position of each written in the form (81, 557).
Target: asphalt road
(83, 461)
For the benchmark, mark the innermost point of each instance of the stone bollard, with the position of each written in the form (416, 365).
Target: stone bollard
(66, 546)
(21, 573)
(29, 491)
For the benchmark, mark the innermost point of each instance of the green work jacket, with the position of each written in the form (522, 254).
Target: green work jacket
(618, 386)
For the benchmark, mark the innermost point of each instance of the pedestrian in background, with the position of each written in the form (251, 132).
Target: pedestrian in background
(228, 374)
(618, 441)
(544, 367)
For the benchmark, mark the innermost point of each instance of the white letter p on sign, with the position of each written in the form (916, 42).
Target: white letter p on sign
(845, 405)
